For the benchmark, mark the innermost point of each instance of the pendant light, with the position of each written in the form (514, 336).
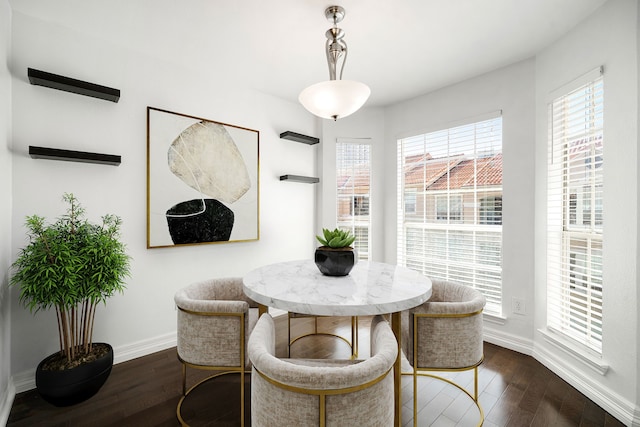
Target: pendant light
(335, 98)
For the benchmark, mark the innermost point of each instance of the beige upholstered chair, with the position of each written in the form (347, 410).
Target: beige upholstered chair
(353, 343)
(445, 334)
(322, 392)
(215, 319)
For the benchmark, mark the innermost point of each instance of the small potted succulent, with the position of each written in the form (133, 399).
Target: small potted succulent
(335, 257)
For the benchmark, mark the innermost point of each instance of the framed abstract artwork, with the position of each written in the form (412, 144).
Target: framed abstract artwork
(202, 181)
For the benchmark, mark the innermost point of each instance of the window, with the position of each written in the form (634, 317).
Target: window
(410, 202)
(575, 216)
(491, 210)
(580, 206)
(450, 206)
(360, 206)
(353, 181)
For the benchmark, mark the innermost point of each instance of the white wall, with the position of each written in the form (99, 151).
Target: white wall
(637, 330)
(143, 318)
(607, 38)
(6, 386)
(510, 89)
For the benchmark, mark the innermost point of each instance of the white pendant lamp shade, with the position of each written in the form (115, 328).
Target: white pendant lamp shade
(334, 99)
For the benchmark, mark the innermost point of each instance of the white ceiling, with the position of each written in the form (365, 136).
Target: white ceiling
(401, 49)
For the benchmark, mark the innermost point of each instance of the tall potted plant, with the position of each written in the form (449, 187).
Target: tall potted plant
(72, 265)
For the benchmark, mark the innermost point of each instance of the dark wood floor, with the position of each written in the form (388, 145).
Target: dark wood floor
(515, 390)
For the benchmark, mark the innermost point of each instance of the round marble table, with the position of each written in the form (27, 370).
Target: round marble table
(371, 288)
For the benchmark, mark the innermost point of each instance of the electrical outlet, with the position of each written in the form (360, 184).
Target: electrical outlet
(517, 306)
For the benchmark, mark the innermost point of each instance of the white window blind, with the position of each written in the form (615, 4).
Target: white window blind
(575, 216)
(353, 181)
(450, 206)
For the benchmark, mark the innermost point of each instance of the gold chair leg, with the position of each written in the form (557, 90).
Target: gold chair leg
(354, 337)
(478, 397)
(474, 397)
(242, 398)
(288, 335)
(323, 410)
(396, 327)
(357, 338)
(242, 373)
(475, 384)
(415, 398)
(353, 342)
(184, 379)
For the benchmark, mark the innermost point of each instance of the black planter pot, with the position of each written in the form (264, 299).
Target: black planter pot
(335, 262)
(71, 386)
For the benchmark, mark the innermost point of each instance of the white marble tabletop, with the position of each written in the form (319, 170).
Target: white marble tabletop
(370, 288)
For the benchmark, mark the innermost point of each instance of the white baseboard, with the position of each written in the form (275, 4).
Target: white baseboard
(6, 401)
(503, 339)
(26, 380)
(144, 347)
(606, 398)
(609, 400)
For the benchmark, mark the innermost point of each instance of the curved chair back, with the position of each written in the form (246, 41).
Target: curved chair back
(214, 322)
(322, 392)
(215, 319)
(445, 334)
(447, 329)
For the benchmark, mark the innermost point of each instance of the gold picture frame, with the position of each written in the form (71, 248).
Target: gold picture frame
(203, 181)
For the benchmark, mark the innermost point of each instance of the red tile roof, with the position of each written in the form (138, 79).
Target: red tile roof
(453, 172)
(463, 175)
(425, 172)
(357, 177)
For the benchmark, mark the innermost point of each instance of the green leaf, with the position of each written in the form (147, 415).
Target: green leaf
(70, 261)
(322, 241)
(336, 238)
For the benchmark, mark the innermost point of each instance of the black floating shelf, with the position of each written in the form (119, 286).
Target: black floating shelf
(298, 137)
(73, 156)
(298, 178)
(67, 84)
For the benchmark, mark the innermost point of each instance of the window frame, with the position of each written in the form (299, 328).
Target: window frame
(449, 215)
(575, 219)
(354, 221)
(361, 208)
(448, 246)
(488, 217)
